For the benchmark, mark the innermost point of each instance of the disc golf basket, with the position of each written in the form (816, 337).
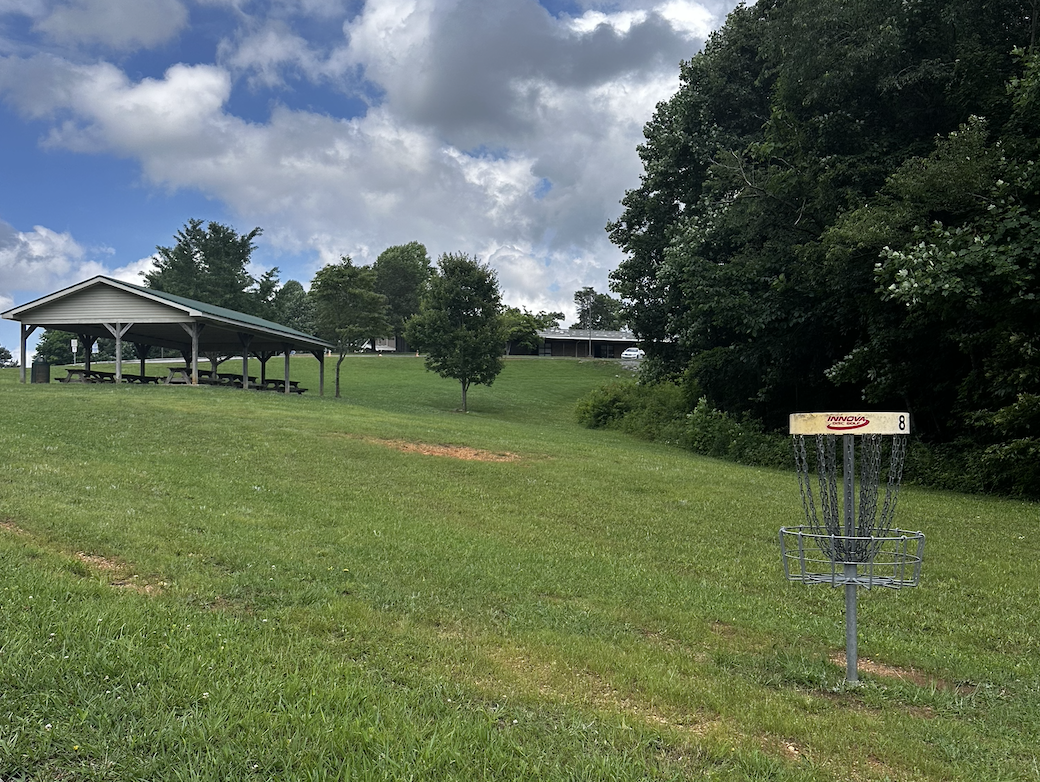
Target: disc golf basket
(850, 538)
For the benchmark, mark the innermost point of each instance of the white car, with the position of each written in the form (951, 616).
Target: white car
(633, 353)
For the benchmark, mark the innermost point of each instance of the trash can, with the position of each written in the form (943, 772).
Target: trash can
(41, 372)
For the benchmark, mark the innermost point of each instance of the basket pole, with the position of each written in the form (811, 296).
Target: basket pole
(845, 540)
(851, 661)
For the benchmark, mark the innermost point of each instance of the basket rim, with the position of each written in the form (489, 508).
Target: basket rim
(804, 530)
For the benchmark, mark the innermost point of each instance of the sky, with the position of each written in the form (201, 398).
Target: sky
(506, 129)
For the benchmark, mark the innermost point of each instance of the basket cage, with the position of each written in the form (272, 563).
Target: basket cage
(895, 560)
(849, 535)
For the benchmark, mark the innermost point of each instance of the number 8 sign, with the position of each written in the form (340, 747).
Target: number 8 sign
(850, 423)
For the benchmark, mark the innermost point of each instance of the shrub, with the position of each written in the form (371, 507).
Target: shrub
(661, 412)
(605, 406)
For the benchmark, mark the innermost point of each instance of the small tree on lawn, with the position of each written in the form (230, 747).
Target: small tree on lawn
(5, 357)
(347, 310)
(459, 325)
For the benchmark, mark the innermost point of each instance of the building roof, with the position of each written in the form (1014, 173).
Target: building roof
(584, 335)
(156, 318)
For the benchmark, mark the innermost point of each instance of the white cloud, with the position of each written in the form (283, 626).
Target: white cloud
(41, 260)
(32, 8)
(389, 36)
(132, 272)
(689, 17)
(120, 24)
(621, 21)
(267, 55)
(502, 131)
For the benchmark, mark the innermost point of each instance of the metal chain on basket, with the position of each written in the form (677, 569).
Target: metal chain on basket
(812, 518)
(869, 529)
(870, 472)
(827, 470)
(827, 473)
(895, 477)
(801, 465)
(870, 467)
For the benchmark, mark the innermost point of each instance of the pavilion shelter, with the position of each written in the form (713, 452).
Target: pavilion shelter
(106, 307)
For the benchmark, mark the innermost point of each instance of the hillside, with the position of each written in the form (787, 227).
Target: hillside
(200, 583)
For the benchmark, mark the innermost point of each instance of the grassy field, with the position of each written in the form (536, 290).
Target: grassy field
(204, 584)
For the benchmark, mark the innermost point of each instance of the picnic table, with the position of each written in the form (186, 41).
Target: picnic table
(87, 376)
(232, 379)
(182, 376)
(178, 375)
(274, 384)
(77, 375)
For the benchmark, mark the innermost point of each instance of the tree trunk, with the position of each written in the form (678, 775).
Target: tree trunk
(338, 363)
(465, 388)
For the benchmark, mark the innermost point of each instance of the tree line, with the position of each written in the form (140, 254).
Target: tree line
(452, 311)
(838, 210)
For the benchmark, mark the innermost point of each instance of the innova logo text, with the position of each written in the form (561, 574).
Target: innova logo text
(841, 423)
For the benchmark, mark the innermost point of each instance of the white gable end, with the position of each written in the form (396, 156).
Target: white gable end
(104, 304)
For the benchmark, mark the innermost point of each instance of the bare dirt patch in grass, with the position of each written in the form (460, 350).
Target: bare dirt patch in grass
(557, 681)
(96, 562)
(141, 587)
(117, 574)
(784, 747)
(118, 577)
(451, 451)
(902, 674)
(10, 526)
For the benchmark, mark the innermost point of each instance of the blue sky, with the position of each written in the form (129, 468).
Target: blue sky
(502, 128)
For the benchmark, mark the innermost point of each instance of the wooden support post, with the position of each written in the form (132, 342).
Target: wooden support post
(245, 340)
(117, 330)
(26, 331)
(286, 348)
(142, 353)
(320, 355)
(193, 330)
(264, 356)
(88, 341)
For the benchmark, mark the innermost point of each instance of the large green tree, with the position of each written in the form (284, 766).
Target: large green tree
(752, 241)
(293, 307)
(599, 311)
(401, 275)
(522, 327)
(347, 309)
(459, 325)
(210, 264)
(55, 347)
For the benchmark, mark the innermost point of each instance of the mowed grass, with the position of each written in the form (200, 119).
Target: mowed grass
(199, 583)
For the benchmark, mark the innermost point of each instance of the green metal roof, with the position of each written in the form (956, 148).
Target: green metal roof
(222, 313)
(223, 323)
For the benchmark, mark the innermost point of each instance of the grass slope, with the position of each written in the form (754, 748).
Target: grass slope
(198, 583)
